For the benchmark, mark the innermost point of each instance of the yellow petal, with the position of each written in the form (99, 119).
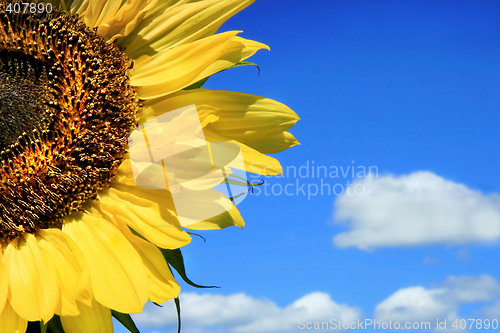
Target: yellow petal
(4, 283)
(239, 49)
(92, 319)
(10, 322)
(190, 59)
(149, 212)
(180, 24)
(213, 210)
(274, 144)
(71, 267)
(254, 161)
(79, 7)
(207, 201)
(117, 274)
(158, 106)
(248, 118)
(125, 20)
(158, 9)
(35, 292)
(71, 6)
(224, 220)
(241, 117)
(162, 284)
(176, 68)
(99, 11)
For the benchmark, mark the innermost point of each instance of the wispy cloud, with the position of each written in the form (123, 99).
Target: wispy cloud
(416, 209)
(240, 313)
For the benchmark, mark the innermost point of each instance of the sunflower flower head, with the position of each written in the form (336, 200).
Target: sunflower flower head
(83, 85)
(67, 109)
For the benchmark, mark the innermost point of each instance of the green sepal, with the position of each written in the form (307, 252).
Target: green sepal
(178, 308)
(52, 326)
(174, 258)
(197, 85)
(243, 182)
(200, 83)
(245, 63)
(43, 327)
(195, 234)
(125, 320)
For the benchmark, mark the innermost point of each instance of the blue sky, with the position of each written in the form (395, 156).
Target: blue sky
(410, 88)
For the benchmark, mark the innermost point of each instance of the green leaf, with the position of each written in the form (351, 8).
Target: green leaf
(245, 63)
(197, 85)
(178, 307)
(125, 320)
(174, 258)
(54, 325)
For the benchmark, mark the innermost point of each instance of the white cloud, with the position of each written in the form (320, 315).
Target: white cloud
(242, 313)
(413, 304)
(471, 289)
(420, 208)
(418, 304)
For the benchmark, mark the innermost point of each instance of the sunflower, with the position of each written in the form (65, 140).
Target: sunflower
(79, 236)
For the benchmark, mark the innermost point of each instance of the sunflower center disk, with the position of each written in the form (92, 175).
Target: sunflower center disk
(24, 99)
(66, 111)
